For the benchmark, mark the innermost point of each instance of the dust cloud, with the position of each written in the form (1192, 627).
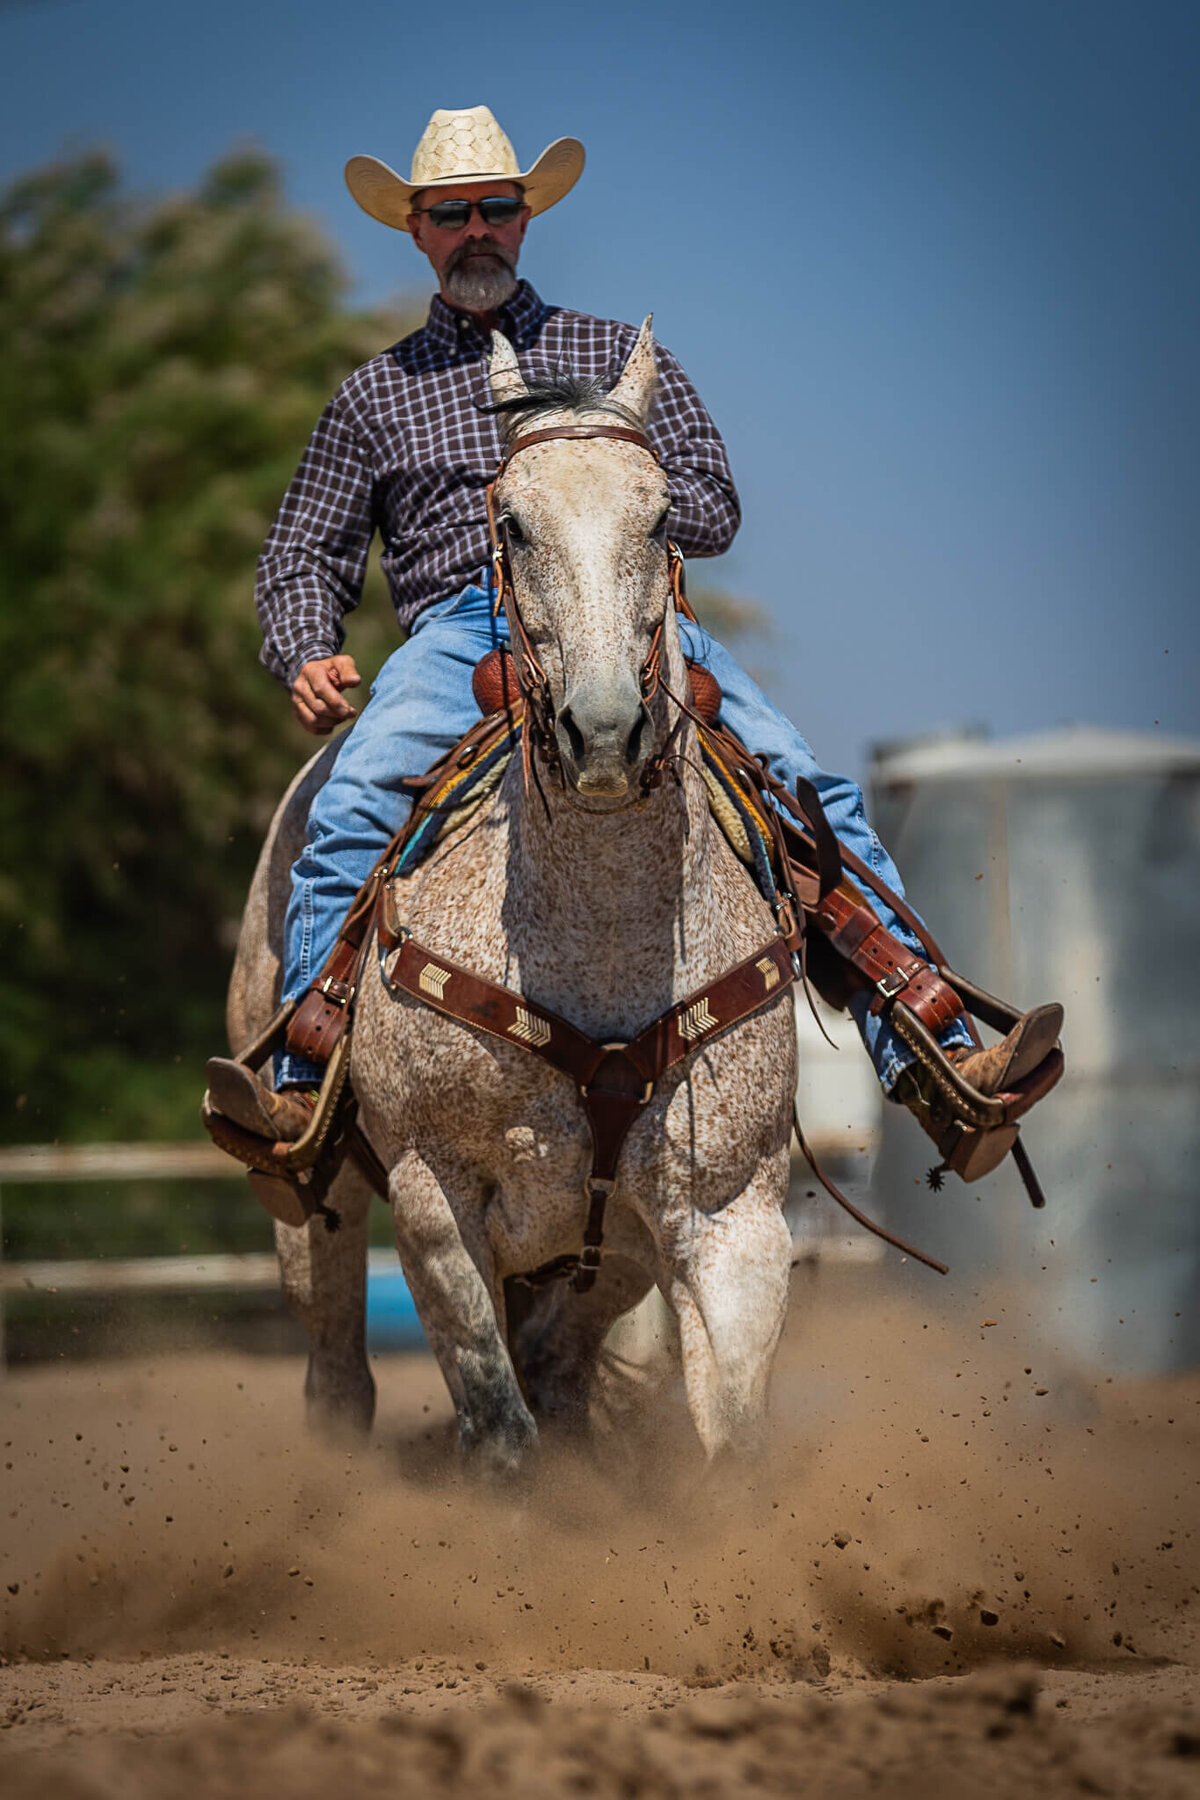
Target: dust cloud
(937, 1498)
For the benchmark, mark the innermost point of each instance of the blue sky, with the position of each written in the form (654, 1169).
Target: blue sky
(933, 264)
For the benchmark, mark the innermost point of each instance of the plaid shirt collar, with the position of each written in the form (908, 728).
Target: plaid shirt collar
(520, 319)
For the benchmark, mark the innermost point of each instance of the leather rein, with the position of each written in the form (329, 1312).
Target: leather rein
(533, 684)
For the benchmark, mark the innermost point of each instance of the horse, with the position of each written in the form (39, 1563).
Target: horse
(596, 895)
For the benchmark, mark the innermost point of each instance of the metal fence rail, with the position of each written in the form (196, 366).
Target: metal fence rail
(30, 1163)
(391, 1316)
(104, 1275)
(114, 1162)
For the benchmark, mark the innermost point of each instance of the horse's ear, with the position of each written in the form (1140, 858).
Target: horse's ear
(635, 386)
(505, 377)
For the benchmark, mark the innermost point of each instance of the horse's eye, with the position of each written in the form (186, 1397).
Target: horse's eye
(515, 534)
(659, 531)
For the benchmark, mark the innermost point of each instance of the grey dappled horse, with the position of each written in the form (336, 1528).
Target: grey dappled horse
(606, 905)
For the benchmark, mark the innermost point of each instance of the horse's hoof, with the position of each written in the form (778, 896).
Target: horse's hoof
(500, 1458)
(339, 1407)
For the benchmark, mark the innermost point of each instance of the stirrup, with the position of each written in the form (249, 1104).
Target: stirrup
(284, 1176)
(282, 1157)
(973, 1132)
(962, 1100)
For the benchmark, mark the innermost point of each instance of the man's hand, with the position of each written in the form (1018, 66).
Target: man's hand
(317, 693)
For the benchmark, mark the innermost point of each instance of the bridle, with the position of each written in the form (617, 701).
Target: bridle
(533, 684)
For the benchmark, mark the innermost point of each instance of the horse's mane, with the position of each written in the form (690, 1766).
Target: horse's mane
(562, 390)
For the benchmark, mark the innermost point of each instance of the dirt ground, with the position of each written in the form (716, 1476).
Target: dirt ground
(961, 1568)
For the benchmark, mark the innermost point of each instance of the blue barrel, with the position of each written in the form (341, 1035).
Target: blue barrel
(392, 1322)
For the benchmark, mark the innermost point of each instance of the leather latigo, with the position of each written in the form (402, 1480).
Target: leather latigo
(320, 1019)
(854, 930)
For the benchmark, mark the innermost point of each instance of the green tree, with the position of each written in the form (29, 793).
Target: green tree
(163, 365)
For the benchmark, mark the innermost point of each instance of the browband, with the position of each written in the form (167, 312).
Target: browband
(625, 432)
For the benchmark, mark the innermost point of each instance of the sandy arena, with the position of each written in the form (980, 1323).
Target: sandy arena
(962, 1569)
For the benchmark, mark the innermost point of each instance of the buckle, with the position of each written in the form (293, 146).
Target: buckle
(901, 977)
(340, 992)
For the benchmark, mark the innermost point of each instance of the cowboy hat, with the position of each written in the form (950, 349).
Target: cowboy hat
(457, 147)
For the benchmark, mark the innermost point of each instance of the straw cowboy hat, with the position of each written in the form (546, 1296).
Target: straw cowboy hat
(458, 147)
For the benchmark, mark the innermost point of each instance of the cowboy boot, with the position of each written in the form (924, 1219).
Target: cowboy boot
(1029, 1043)
(238, 1094)
(969, 1150)
(253, 1123)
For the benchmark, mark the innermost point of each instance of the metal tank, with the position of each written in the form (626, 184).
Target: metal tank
(1066, 866)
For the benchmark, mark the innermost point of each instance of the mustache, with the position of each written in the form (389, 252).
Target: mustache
(479, 247)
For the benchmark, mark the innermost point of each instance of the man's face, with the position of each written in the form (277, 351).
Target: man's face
(476, 264)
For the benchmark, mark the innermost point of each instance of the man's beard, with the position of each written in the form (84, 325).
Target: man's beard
(480, 276)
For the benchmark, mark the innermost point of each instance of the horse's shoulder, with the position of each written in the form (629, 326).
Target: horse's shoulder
(453, 899)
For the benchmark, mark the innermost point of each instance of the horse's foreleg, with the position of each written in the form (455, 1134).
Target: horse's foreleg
(457, 1310)
(726, 1278)
(325, 1285)
(558, 1344)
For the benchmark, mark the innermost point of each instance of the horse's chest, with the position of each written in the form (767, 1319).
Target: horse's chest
(517, 1128)
(523, 1125)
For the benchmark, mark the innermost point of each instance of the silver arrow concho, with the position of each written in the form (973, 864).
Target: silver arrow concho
(527, 1028)
(695, 1021)
(432, 980)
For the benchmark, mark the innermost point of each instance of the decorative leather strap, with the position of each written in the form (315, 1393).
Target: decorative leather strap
(615, 1080)
(320, 1019)
(605, 1067)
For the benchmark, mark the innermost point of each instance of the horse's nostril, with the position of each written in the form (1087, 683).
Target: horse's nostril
(566, 719)
(634, 748)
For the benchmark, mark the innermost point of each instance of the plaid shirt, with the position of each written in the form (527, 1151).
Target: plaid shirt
(403, 448)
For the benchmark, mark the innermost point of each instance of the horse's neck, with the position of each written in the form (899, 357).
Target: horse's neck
(610, 914)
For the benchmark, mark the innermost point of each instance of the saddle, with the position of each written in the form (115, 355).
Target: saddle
(827, 936)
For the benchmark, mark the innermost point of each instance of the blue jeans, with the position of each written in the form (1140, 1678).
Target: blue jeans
(421, 703)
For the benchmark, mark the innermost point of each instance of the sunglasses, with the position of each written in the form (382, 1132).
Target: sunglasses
(452, 215)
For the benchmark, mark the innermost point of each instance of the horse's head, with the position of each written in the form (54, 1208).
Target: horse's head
(586, 527)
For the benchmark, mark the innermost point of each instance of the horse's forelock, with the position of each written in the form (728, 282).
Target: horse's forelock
(562, 390)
